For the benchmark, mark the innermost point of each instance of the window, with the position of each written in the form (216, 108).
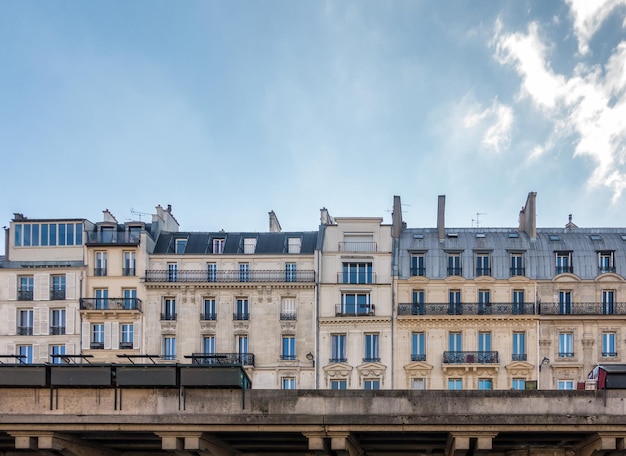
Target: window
(338, 385)
(418, 264)
(57, 290)
(418, 383)
(484, 342)
(566, 345)
(249, 245)
(25, 322)
(566, 384)
(454, 264)
(97, 336)
(288, 309)
(484, 302)
(101, 264)
(130, 298)
(169, 347)
(608, 344)
(242, 350)
(484, 384)
(134, 233)
(455, 347)
(564, 262)
(26, 285)
(357, 273)
(356, 304)
(244, 272)
(482, 265)
(45, 234)
(289, 348)
(56, 352)
(211, 272)
(128, 335)
(371, 349)
(241, 310)
(102, 298)
(454, 302)
(208, 310)
(294, 245)
(605, 262)
(608, 302)
(169, 309)
(455, 384)
(357, 242)
(417, 303)
(518, 384)
(519, 346)
(371, 384)
(289, 383)
(218, 245)
(106, 235)
(565, 302)
(57, 322)
(517, 264)
(208, 345)
(418, 346)
(338, 348)
(25, 352)
(129, 264)
(290, 272)
(518, 302)
(180, 245)
(172, 272)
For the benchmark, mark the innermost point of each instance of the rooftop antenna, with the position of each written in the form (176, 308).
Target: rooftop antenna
(477, 219)
(137, 213)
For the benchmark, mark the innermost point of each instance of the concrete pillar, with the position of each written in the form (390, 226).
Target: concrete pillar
(57, 442)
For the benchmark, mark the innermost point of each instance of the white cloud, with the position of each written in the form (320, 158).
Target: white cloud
(589, 16)
(588, 104)
(497, 135)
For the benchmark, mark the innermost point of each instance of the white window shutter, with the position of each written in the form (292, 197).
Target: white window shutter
(86, 336)
(70, 320)
(42, 285)
(11, 351)
(70, 349)
(107, 335)
(137, 334)
(12, 287)
(11, 320)
(115, 335)
(70, 285)
(37, 354)
(40, 321)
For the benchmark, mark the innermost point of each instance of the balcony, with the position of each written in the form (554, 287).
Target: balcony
(517, 272)
(582, 308)
(126, 345)
(609, 354)
(418, 272)
(480, 272)
(359, 278)
(470, 357)
(168, 316)
(211, 316)
(493, 308)
(24, 330)
(57, 330)
(605, 269)
(360, 310)
(519, 357)
(237, 276)
(338, 360)
(455, 271)
(223, 359)
(99, 272)
(110, 304)
(357, 247)
(241, 316)
(57, 294)
(564, 270)
(371, 360)
(96, 345)
(566, 354)
(112, 238)
(418, 357)
(288, 357)
(129, 272)
(24, 295)
(289, 315)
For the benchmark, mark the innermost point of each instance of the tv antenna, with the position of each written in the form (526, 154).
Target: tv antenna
(139, 214)
(477, 219)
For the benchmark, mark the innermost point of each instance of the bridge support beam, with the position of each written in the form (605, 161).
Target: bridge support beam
(58, 442)
(345, 444)
(601, 444)
(195, 443)
(459, 444)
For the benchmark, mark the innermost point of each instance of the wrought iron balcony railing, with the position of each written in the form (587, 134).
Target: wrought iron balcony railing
(470, 357)
(418, 271)
(455, 271)
(609, 354)
(474, 308)
(418, 357)
(287, 357)
(360, 310)
(100, 272)
(223, 359)
(605, 269)
(230, 276)
(168, 316)
(564, 269)
(57, 294)
(96, 345)
(483, 272)
(518, 272)
(519, 357)
(291, 315)
(208, 316)
(240, 316)
(357, 247)
(24, 330)
(582, 308)
(356, 278)
(112, 238)
(57, 330)
(129, 272)
(24, 295)
(338, 360)
(371, 360)
(110, 304)
(126, 345)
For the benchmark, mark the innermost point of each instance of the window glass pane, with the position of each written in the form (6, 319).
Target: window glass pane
(70, 234)
(35, 235)
(61, 233)
(44, 234)
(18, 234)
(79, 234)
(53, 234)
(26, 235)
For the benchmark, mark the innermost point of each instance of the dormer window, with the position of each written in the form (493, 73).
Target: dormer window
(249, 245)
(180, 245)
(107, 234)
(605, 262)
(294, 245)
(564, 262)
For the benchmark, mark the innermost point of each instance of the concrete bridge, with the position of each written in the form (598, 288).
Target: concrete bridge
(200, 421)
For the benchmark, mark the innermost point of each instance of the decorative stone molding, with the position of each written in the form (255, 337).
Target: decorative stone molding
(337, 371)
(519, 369)
(371, 371)
(287, 326)
(418, 369)
(168, 327)
(207, 326)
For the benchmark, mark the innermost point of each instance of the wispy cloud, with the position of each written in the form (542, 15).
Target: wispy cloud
(588, 17)
(499, 118)
(589, 103)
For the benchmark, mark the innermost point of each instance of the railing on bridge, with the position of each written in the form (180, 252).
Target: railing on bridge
(230, 276)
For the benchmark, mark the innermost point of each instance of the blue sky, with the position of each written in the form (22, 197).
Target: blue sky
(229, 109)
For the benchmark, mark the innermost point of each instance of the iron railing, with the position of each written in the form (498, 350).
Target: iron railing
(57, 294)
(126, 345)
(96, 345)
(418, 271)
(239, 316)
(605, 269)
(291, 315)
(418, 357)
(112, 238)
(338, 360)
(99, 272)
(128, 272)
(564, 269)
(455, 271)
(208, 316)
(168, 316)
(371, 360)
(361, 310)
(470, 357)
(24, 330)
(223, 359)
(24, 295)
(57, 330)
(483, 272)
(518, 272)
(357, 247)
(230, 276)
(446, 308)
(519, 357)
(110, 304)
(582, 308)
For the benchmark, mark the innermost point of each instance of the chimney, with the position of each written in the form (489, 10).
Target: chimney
(108, 217)
(396, 218)
(325, 217)
(528, 216)
(274, 224)
(441, 217)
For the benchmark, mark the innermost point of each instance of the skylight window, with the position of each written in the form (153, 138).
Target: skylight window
(513, 235)
(595, 237)
(555, 237)
(418, 236)
(481, 235)
(453, 235)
